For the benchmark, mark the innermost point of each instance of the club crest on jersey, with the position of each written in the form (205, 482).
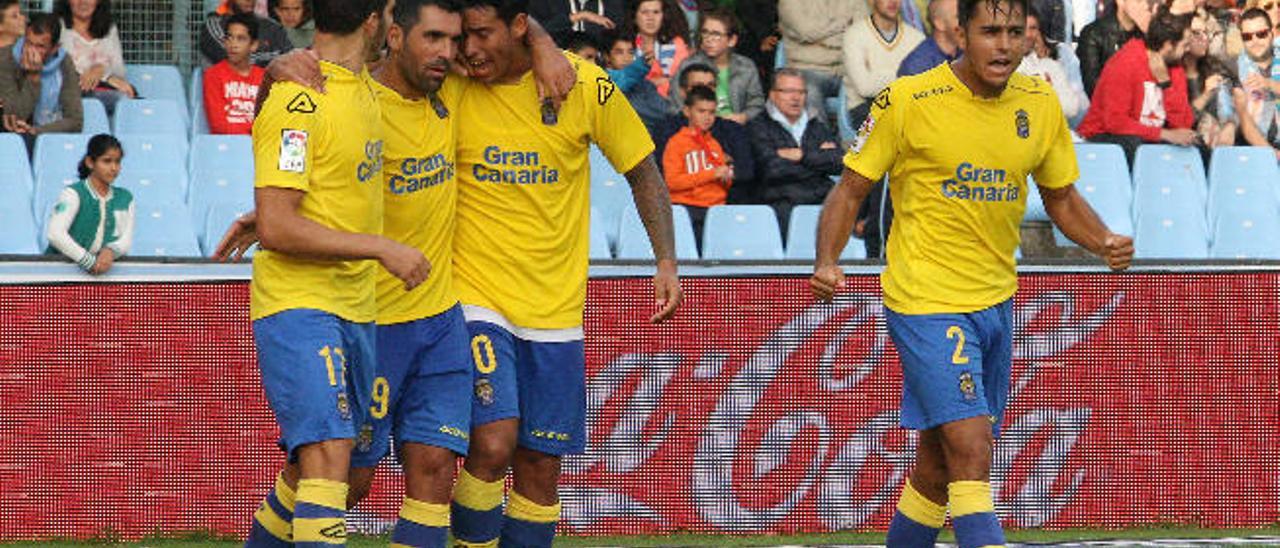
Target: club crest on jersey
(605, 89)
(864, 133)
(967, 387)
(484, 392)
(293, 151)
(344, 408)
(1023, 122)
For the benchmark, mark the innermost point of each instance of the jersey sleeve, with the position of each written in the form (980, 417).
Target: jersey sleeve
(1057, 166)
(615, 126)
(285, 134)
(879, 139)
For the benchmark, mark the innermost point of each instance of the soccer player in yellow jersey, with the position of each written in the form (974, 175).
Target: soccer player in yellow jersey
(318, 161)
(958, 143)
(520, 267)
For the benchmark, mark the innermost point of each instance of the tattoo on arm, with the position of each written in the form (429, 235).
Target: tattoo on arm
(654, 205)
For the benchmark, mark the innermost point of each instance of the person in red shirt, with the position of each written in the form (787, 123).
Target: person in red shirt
(698, 171)
(231, 86)
(1141, 96)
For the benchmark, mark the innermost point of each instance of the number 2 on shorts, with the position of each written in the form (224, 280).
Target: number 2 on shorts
(957, 357)
(482, 351)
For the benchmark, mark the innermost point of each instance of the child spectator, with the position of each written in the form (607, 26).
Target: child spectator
(231, 86)
(739, 95)
(584, 46)
(660, 34)
(12, 22)
(92, 222)
(698, 172)
(272, 39)
(629, 73)
(92, 40)
(295, 17)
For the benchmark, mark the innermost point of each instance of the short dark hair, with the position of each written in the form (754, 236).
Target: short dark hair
(344, 17)
(99, 24)
(273, 4)
(507, 9)
(45, 23)
(694, 67)
(966, 8)
(1166, 27)
(247, 20)
(98, 145)
(785, 72)
(699, 93)
(406, 12)
(578, 40)
(1255, 13)
(4, 4)
(613, 36)
(724, 16)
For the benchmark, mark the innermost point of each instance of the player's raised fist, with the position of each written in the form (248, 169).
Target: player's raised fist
(404, 262)
(1117, 251)
(826, 281)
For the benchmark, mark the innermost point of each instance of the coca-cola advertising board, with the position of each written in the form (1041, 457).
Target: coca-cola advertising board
(132, 409)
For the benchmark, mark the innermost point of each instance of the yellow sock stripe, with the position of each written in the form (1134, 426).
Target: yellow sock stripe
(314, 529)
(425, 513)
(458, 543)
(322, 492)
(920, 509)
(476, 494)
(273, 523)
(970, 497)
(284, 493)
(398, 545)
(524, 509)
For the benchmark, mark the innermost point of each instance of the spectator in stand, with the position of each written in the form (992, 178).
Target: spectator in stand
(295, 17)
(813, 37)
(738, 91)
(1042, 61)
(874, 48)
(1208, 86)
(231, 86)
(697, 170)
(12, 22)
(660, 32)
(272, 39)
(760, 36)
(733, 138)
(92, 41)
(942, 45)
(1142, 94)
(561, 18)
(584, 46)
(39, 87)
(1104, 37)
(92, 221)
(797, 155)
(1254, 99)
(629, 72)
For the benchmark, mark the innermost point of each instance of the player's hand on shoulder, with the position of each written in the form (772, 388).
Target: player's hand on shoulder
(404, 262)
(1117, 251)
(554, 74)
(826, 280)
(300, 66)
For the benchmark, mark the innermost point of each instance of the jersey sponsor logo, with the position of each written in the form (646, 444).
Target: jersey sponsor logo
(882, 99)
(1023, 123)
(454, 431)
(419, 173)
(293, 151)
(940, 90)
(301, 104)
(605, 89)
(372, 164)
(514, 167)
(979, 184)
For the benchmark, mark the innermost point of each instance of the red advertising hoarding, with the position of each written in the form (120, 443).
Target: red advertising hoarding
(1139, 399)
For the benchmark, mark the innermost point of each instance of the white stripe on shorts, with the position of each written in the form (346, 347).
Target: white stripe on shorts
(475, 313)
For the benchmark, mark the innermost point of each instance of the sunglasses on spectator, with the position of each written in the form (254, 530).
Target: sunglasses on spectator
(1249, 36)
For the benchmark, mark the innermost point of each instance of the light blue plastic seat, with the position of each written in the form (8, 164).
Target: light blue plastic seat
(802, 236)
(1240, 177)
(199, 123)
(599, 249)
(16, 182)
(1035, 204)
(633, 239)
(162, 229)
(1168, 167)
(59, 153)
(151, 116)
(221, 153)
(95, 117)
(48, 187)
(19, 234)
(219, 219)
(1106, 185)
(745, 232)
(209, 190)
(159, 82)
(610, 194)
(1247, 234)
(161, 159)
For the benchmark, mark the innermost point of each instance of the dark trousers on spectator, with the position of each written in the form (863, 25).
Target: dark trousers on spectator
(697, 217)
(1130, 144)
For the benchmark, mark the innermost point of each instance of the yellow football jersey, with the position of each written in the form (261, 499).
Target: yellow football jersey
(420, 192)
(958, 167)
(523, 197)
(330, 147)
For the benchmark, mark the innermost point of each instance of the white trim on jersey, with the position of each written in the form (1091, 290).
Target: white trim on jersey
(475, 313)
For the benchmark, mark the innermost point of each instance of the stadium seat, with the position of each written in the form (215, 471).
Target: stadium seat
(154, 186)
(221, 153)
(1175, 234)
(802, 236)
(162, 229)
(19, 234)
(199, 123)
(150, 116)
(847, 132)
(1169, 203)
(1179, 170)
(48, 187)
(1105, 184)
(15, 168)
(95, 117)
(1248, 234)
(160, 158)
(633, 239)
(599, 240)
(209, 190)
(741, 232)
(216, 223)
(159, 82)
(1239, 176)
(610, 194)
(59, 153)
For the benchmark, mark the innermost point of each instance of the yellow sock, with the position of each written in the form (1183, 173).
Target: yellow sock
(319, 518)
